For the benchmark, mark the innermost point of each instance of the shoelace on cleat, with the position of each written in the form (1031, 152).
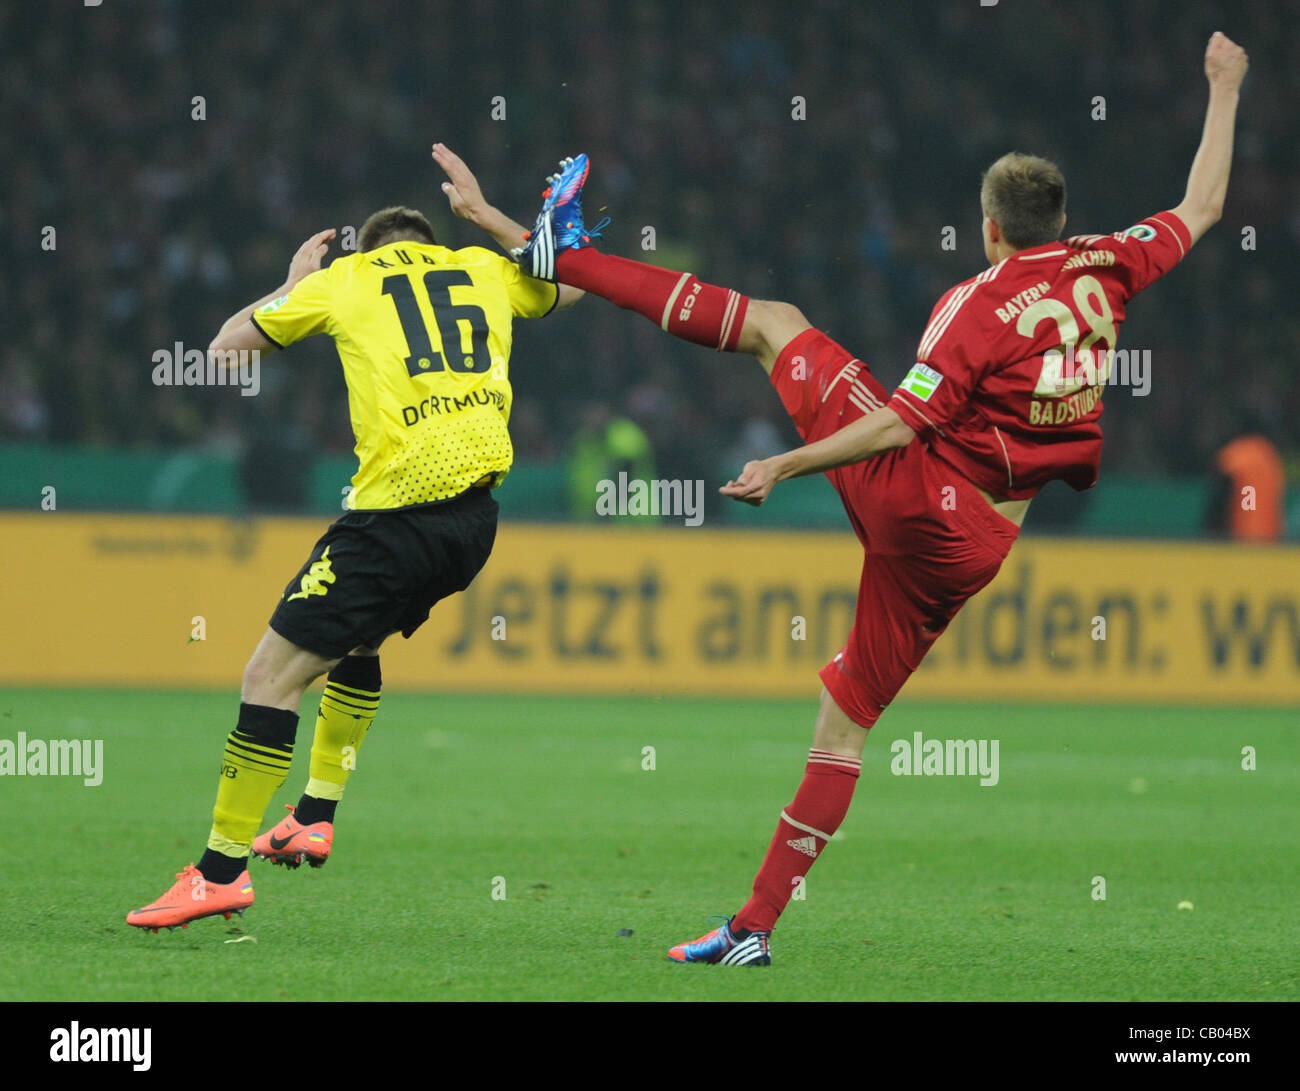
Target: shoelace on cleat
(595, 232)
(185, 871)
(717, 920)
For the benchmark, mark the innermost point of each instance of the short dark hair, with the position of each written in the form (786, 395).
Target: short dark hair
(392, 225)
(1025, 196)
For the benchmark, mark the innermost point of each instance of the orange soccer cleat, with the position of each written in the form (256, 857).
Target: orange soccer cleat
(290, 842)
(192, 897)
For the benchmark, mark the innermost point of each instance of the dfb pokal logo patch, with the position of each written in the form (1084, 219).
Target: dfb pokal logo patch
(1141, 232)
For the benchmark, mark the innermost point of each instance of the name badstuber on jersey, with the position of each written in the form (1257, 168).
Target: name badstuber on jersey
(1010, 372)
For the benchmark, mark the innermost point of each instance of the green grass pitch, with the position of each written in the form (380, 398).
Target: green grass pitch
(937, 889)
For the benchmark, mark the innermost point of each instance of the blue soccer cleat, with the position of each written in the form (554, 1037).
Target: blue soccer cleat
(559, 225)
(726, 948)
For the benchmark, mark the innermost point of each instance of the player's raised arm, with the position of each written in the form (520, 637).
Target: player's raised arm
(879, 431)
(467, 201)
(1207, 184)
(238, 333)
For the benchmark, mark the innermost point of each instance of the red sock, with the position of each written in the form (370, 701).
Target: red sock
(685, 307)
(806, 825)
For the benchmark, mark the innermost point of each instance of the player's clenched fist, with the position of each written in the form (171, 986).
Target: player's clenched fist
(1225, 61)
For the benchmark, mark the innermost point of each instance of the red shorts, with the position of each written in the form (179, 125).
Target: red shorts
(931, 540)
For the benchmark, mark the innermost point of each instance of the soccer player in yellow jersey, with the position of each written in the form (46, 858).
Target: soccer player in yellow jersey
(423, 333)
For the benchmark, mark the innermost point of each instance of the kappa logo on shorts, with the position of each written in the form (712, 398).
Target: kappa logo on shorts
(317, 577)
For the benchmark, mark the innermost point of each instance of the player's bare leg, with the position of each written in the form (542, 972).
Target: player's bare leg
(835, 733)
(279, 673)
(559, 249)
(260, 748)
(768, 327)
(280, 670)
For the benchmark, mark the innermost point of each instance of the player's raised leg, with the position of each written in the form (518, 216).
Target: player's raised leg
(559, 249)
(347, 709)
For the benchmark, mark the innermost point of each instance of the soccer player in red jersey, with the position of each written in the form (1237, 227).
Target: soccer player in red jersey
(936, 477)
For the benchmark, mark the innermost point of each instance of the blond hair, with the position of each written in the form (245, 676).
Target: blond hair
(1025, 196)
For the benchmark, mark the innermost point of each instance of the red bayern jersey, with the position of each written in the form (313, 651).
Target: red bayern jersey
(1011, 369)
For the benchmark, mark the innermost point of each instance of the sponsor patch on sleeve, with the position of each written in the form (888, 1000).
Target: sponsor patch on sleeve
(1141, 232)
(921, 381)
(274, 305)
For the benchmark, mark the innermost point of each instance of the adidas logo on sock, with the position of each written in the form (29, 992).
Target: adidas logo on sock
(806, 845)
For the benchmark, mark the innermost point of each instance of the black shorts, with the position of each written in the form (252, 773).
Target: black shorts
(375, 573)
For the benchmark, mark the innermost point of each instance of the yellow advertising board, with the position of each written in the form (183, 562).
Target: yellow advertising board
(181, 601)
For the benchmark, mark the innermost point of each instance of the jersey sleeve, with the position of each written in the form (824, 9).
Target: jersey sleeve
(529, 297)
(946, 371)
(303, 312)
(1143, 253)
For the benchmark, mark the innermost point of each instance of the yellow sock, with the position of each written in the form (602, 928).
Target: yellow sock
(255, 764)
(347, 709)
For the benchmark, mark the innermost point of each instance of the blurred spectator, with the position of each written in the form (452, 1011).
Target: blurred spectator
(606, 446)
(1248, 504)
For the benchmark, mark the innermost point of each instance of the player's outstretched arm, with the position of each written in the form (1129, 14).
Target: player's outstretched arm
(1207, 184)
(467, 202)
(879, 431)
(238, 333)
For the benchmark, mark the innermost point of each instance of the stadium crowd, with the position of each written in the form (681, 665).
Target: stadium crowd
(814, 153)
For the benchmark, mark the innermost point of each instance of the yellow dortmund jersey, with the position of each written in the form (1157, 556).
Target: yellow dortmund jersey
(424, 336)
